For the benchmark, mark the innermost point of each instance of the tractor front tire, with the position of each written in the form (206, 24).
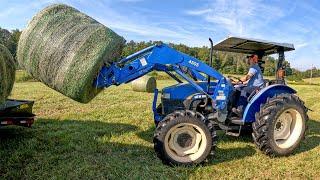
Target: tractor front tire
(184, 138)
(280, 125)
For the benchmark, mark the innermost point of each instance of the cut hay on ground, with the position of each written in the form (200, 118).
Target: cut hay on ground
(144, 84)
(7, 73)
(65, 49)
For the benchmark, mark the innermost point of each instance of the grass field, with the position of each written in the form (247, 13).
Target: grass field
(23, 76)
(111, 137)
(313, 80)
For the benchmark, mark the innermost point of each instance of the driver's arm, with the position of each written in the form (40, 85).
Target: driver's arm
(247, 77)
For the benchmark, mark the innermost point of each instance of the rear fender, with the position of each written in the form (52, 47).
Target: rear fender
(261, 98)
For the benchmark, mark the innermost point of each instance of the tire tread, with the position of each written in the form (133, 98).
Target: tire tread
(264, 118)
(158, 145)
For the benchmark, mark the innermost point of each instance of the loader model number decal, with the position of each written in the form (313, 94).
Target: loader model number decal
(143, 61)
(194, 63)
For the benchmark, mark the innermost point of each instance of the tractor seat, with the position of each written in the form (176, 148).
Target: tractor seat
(265, 84)
(253, 94)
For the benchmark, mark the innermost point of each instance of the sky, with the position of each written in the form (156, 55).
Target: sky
(192, 22)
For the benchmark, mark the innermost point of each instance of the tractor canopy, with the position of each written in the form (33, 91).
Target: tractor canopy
(250, 46)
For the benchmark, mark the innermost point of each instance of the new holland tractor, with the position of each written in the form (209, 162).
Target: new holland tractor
(201, 102)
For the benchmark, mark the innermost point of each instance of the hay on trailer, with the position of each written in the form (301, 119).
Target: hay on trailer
(7, 73)
(144, 84)
(65, 49)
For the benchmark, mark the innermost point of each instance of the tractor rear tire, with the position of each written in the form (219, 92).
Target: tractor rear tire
(280, 125)
(184, 138)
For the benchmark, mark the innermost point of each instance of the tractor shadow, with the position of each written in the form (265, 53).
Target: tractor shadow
(312, 137)
(77, 149)
(222, 154)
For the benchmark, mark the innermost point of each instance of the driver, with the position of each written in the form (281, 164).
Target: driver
(254, 78)
(253, 81)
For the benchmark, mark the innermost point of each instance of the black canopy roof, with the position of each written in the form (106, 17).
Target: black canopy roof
(250, 46)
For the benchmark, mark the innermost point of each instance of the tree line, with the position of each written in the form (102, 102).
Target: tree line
(227, 63)
(224, 62)
(299, 75)
(10, 39)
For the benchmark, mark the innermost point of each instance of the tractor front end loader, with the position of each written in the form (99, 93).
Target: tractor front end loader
(201, 102)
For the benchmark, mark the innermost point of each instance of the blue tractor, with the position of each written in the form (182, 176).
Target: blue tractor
(201, 102)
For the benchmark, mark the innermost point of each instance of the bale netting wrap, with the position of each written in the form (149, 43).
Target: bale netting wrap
(144, 84)
(65, 49)
(7, 73)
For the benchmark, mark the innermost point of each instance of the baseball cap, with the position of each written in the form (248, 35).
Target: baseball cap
(251, 56)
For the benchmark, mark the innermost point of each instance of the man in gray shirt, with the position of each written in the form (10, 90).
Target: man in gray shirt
(252, 81)
(254, 78)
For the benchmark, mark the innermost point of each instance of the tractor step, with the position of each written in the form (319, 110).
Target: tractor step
(237, 121)
(234, 133)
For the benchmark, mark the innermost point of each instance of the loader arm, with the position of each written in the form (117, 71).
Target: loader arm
(164, 58)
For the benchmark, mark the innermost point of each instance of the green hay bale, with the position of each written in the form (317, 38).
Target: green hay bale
(7, 73)
(65, 49)
(144, 84)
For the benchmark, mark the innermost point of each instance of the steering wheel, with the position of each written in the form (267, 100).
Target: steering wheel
(234, 79)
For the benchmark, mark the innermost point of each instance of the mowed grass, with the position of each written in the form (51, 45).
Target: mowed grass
(111, 137)
(312, 80)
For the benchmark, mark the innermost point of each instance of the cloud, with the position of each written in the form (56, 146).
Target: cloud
(199, 12)
(239, 17)
(16, 14)
(7, 12)
(131, 1)
(136, 24)
(298, 46)
(292, 22)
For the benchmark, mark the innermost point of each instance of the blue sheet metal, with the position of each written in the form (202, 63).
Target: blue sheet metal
(261, 98)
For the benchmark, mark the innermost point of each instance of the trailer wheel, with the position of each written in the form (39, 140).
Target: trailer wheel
(184, 138)
(280, 125)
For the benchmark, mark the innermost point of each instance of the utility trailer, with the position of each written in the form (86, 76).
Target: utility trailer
(17, 112)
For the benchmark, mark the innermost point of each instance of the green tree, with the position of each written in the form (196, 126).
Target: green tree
(5, 37)
(14, 39)
(10, 39)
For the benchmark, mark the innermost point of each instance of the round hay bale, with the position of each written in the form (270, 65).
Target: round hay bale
(7, 73)
(144, 84)
(65, 49)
